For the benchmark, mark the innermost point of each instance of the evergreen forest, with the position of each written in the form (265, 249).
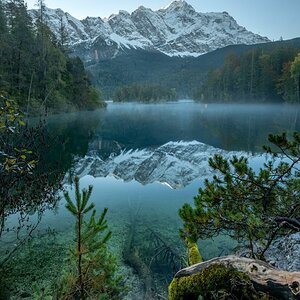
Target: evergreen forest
(35, 69)
(258, 75)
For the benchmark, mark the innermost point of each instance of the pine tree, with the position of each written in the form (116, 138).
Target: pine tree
(3, 21)
(91, 271)
(34, 67)
(63, 34)
(19, 53)
(285, 85)
(3, 46)
(295, 73)
(252, 207)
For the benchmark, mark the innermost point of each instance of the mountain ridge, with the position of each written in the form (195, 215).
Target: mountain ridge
(183, 73)
(176, 30)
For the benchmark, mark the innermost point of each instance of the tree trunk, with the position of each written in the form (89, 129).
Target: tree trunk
(265, 278)
(298, 89)
(133, 259)
(81, 284)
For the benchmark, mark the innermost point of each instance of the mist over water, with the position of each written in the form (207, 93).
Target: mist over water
(229, 127)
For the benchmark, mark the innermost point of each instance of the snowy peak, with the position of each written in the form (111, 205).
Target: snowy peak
(56, 19)
(176, 30)
(178, 6)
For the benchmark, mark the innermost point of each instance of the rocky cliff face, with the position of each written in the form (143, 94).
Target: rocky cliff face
(177, 30)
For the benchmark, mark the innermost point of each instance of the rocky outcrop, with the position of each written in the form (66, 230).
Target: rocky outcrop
(232, 272)
(284, 253)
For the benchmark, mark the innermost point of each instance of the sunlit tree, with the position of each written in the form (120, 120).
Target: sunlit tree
(295, 72)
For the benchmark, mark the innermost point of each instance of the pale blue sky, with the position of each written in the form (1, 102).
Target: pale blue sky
(271, 18)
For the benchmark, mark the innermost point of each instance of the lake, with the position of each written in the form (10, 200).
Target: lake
(145, 161)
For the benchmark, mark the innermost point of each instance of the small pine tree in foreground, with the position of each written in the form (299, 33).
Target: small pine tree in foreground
(90, 273)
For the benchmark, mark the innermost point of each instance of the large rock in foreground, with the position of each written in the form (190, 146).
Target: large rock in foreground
(284, 253)
(236, 274)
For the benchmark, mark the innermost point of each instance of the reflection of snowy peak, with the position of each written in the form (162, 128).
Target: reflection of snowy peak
(175, 30)
(175, 163)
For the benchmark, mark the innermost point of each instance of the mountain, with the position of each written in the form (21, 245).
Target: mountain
(183, 73)
(176, 30)
(175, 164)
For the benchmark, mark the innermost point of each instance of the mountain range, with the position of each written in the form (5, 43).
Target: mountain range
(176, 30)
(174, 47)
(175, 164)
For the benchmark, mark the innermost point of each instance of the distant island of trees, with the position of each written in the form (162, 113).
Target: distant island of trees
(144, 93)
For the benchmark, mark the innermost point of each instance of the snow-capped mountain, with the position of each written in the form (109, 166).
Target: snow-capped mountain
(176, 30)
(176, 164)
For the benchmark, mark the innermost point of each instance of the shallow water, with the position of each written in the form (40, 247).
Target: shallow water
(154, 206)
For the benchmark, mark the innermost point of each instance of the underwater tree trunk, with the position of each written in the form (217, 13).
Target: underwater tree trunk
(79, 216)
(298, 89)
(132, 258)
(264, 277)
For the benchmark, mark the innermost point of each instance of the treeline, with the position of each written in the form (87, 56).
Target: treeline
(35, 69)
(257, 75)
(144, 93)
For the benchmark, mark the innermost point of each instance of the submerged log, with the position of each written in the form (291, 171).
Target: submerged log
(264, 277)
(133, 259)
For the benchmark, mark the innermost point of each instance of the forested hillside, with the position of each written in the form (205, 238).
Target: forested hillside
(184, 74)
(35, 69)
(259, 75)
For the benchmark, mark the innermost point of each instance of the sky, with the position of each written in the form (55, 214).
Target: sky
(271, 18)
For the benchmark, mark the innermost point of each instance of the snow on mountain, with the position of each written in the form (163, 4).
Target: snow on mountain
(176, 164)
(176, 30)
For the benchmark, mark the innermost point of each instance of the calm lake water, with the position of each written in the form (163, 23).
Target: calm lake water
(153, 207)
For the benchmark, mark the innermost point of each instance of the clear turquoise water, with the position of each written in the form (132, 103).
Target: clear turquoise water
(153, 206)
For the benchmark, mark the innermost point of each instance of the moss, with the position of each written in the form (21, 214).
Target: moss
(211, 283)
(194, 256)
